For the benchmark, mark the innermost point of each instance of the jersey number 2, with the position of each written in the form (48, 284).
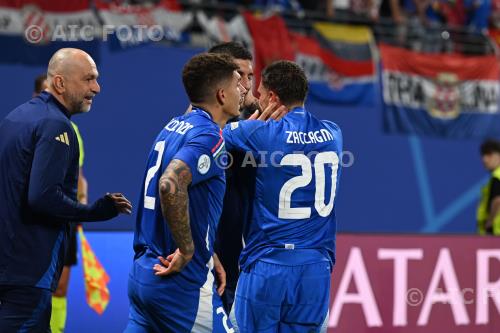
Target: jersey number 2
(285, 210)
(149, 202)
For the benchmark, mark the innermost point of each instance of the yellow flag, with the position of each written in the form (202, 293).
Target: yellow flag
(344, 33)
(96, 278)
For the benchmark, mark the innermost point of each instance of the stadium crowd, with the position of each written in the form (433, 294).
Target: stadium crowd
(473, 15)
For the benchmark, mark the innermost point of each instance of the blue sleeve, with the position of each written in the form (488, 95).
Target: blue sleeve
(243, 135)
(51, 161)
(336, 132)
(201, 153)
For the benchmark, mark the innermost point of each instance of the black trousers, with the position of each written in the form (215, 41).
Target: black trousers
(25, 309)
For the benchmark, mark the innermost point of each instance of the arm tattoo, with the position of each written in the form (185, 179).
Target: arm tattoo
(175, 203)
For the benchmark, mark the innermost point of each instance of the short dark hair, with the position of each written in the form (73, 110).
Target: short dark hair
(287, 80)
(39, 80)
(234, 49)
(203, 72)
(490, 146)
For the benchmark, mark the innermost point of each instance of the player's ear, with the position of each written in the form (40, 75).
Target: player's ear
(220, 96)
(58, 84)
(273, 97)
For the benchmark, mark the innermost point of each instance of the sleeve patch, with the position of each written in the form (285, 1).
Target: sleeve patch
(203, 164)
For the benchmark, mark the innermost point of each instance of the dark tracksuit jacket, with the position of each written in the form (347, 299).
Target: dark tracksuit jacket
(38, 184)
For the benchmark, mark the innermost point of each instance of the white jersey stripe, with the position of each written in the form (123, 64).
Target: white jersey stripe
(204, 317)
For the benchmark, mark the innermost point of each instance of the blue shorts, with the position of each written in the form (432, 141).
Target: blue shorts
(272, 297)
(25, 309)
(164, 304)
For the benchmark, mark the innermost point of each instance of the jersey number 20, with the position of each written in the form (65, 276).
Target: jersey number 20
(285, 210)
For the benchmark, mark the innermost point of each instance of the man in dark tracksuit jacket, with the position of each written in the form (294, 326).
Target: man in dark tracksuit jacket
(38, 186)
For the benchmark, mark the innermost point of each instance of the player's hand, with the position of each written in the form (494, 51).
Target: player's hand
(174, 263)
(273, 111)
(123, 206)
(220, 275)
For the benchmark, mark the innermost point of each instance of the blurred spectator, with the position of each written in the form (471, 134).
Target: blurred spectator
(279, 5)
(315, 5)
(297, 5)
(142, 2)
(400, 10)
(478, 14)
(368, 8)
(237, 2)
(495, 13)
(450, 12)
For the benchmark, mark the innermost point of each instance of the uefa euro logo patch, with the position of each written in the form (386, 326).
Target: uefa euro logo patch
(203, 164)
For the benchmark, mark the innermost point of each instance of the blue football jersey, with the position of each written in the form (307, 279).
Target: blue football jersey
(197, 140)
(298, 170)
